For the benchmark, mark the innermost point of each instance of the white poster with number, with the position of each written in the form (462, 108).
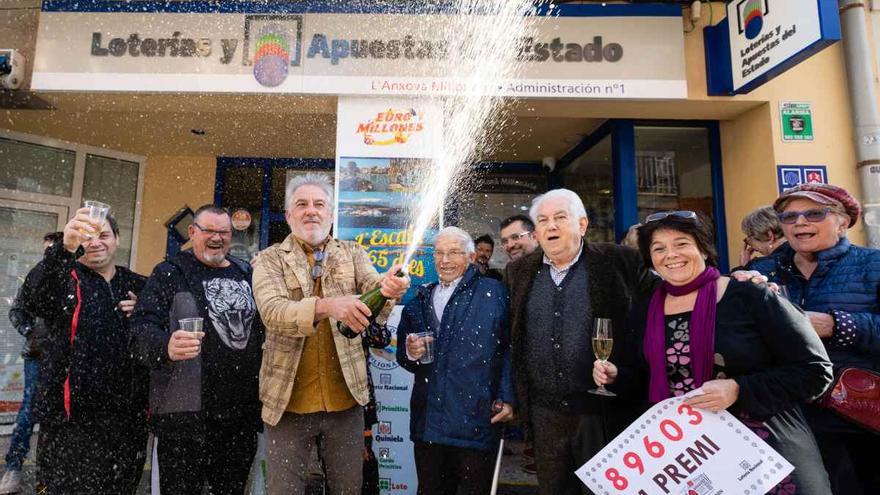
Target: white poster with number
(679, 450)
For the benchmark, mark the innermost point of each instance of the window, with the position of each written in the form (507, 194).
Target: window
(114, 182)
(33, 168)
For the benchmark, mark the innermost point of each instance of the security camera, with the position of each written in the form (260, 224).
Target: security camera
(548, 163)
(11, 69)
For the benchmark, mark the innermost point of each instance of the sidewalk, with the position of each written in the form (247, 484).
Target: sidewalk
(513, 480)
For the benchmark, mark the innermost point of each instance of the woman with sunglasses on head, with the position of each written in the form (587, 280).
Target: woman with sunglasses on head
(747, 349)
(837, 284)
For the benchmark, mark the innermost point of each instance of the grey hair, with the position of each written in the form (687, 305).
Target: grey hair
(459, 235)
(575, 205)
(308, 179)
(757, 223)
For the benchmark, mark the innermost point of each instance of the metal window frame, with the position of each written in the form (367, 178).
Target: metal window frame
(75, 199)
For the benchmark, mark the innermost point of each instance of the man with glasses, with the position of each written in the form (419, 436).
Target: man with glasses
(313, 380)
(204, 401)
(451, 414)
(518, 236)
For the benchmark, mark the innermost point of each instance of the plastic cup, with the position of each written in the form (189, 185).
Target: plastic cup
(97, 213)
(428, 339)
(191, 325)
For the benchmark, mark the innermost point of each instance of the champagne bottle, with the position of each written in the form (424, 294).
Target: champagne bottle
(373, 300)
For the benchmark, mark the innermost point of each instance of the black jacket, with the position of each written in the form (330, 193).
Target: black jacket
(87, 371)
(616, 276)
(33, 329)
(220, 382)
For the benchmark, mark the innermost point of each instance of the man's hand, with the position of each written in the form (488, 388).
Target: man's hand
(415, 347)
(394, 287)
(127, 306)
(348, 309)
(79, 230)
(717, 395)
(505, 415)
(604, 373)
(184, 345)
(823, 323)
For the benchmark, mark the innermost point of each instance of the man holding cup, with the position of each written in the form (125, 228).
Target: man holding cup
(91, 398)
(198, 330)
(457, 332)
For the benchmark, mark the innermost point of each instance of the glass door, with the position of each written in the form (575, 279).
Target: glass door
(22, 227)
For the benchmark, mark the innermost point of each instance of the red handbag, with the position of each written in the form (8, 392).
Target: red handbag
(855, 396)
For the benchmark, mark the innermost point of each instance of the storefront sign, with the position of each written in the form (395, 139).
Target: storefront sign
(797, 121)
(676, 449)
(391, 443)
(582, 52)
(382, 147)
(788, 176)
(761, 39)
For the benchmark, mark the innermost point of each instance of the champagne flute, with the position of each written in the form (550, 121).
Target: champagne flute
(603, 341)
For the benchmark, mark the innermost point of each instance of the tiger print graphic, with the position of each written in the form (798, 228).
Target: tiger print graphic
(232, 309)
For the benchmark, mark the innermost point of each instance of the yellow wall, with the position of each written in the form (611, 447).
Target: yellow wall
(752, 143)
(169, 183)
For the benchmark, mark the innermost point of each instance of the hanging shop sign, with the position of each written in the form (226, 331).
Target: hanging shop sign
(789, 176)
(583, 51)
(761, 39)
(797, 121)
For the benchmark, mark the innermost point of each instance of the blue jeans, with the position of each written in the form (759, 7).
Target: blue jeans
(21, 434)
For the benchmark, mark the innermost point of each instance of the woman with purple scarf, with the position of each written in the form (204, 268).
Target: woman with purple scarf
(749, 351)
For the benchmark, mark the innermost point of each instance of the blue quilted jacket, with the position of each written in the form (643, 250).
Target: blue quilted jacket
(846, 285)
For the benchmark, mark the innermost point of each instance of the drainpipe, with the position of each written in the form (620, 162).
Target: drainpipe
(866, 115)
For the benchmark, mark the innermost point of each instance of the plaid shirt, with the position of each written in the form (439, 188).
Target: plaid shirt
(283, 290)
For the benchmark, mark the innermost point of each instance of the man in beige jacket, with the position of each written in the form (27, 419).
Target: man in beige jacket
(313, 379)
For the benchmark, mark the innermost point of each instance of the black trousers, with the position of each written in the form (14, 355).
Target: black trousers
(851, 462)
(96, 457)
(563, 443)
(445, 470)
(206, 453)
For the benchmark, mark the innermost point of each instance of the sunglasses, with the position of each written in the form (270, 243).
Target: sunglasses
(814, 215)
(660, 215)
(318, 268)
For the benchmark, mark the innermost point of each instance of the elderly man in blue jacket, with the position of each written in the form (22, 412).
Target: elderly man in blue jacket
(453, 425)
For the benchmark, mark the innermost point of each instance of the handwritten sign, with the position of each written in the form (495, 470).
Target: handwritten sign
(676, 449)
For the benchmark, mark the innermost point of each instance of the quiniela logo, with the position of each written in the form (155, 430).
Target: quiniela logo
(392, 126)
(750, 15)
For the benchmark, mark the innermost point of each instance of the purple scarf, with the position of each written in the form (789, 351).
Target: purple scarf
(702, 332)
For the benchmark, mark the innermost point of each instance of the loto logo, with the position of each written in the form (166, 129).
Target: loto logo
(391, 126)
(388, 484)
(750, 15)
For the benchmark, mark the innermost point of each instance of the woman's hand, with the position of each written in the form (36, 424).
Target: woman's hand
(717, 395)
(604, 372)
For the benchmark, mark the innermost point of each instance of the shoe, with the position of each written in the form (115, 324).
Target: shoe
(531, 468)
(10, 483)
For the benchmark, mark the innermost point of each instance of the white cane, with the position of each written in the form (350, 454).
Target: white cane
(497, 407)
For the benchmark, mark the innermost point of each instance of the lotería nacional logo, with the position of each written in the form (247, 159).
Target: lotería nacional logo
(750, 15)
(391, 126)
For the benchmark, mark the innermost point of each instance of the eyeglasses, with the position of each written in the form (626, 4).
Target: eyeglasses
(660, 215)
(318, 268)
(814, 215)
(515, 237)
(440, 255)
(212, 232)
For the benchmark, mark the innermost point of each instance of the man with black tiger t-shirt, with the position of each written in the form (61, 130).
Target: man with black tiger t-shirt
(204, 404)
